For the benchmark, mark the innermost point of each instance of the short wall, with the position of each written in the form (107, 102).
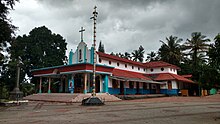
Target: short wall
(114, 91)
(169, 92)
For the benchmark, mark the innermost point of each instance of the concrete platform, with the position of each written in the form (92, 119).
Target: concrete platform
(130, 97)
(68, 98)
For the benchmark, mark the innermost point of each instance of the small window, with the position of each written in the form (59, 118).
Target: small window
(125, 65)
(171, 69)
(132, 67)
(138, 68)
(144, 69)
(109, 62)
(162, 69)
(100, 60)
(117, 64)
(115, 84)
(152, 70)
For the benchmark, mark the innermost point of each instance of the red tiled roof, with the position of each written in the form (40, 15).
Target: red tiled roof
(129, 74)
(170, 76)
(104, 55)
(187, 76)
(159, 64)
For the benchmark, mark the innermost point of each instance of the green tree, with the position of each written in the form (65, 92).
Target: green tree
(214, 52)
(41, 48)
(6, 36)
(127, 55)
(214, 60)
(141, 53)
(138, 55)
(196, 47)
(152, 56)
(170, 51)
(135, 55)
(101, 47)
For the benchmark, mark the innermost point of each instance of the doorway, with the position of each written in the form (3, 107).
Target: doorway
(97, 84)
(121, 87)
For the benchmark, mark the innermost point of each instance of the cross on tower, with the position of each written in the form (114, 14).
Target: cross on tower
(81, 31)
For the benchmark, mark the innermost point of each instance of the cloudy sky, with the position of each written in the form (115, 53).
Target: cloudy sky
(123, 25)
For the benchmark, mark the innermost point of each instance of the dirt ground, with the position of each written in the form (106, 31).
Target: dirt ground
(166, 110)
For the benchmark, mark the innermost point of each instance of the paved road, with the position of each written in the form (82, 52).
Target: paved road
(168, 110)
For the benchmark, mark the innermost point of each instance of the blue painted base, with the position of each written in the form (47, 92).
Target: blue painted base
(114, 91)
(169, 92)
(128, 91)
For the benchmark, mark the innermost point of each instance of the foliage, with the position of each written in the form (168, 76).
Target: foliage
(152, 56)
(197, 47)
(41, 48)
(6, 36)
(127, 55)
(138, 55)
(170, 51)
(214, 52)
(6, 28)
(101, 47)
(27, 88)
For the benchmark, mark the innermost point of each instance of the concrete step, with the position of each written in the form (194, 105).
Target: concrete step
(67, 97)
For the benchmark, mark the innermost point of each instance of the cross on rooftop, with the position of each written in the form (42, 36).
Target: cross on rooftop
(81, 31)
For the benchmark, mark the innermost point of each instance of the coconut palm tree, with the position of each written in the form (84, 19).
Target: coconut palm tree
(135, 55)
(152, 56)
(127, 55)
(138, 55)
(196, 47)
(170, 51)
(141, 53)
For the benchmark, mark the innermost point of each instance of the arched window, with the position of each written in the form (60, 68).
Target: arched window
(80, 54)
(100, 60)
(109, 62)
(162, 69)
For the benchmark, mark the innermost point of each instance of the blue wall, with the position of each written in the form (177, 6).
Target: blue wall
(114, 91)
(128, 91)
(169, 92)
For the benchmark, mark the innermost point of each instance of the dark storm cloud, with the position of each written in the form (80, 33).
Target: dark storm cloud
(124, 23)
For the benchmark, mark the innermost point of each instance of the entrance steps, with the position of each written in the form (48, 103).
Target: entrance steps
(69, 98)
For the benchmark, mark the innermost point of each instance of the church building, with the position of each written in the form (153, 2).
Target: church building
(114, 75)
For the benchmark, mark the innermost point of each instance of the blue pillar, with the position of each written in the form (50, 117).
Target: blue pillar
(71, 57)
(105, 87)
(92, 55)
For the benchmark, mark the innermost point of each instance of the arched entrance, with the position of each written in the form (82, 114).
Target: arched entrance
(78, 83)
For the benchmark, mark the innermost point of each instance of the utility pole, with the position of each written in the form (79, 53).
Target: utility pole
(95, 13)
(93, 100)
